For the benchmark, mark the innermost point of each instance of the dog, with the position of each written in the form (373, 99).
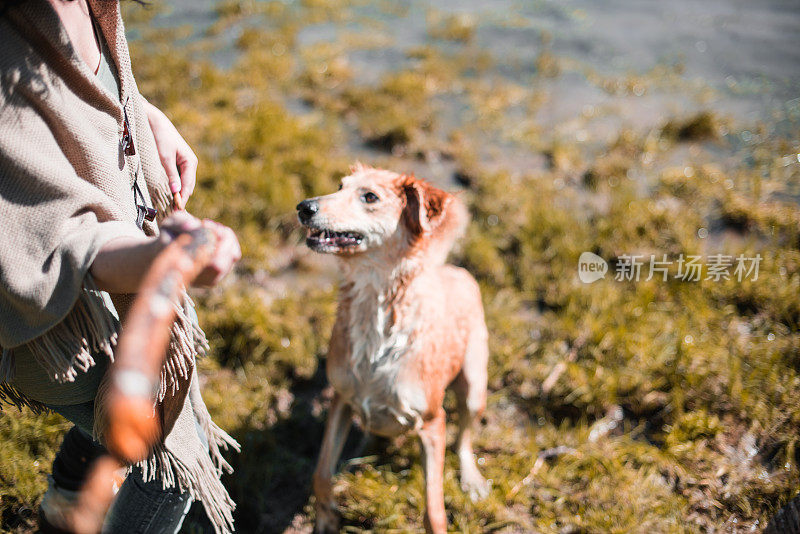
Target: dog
(407, 327)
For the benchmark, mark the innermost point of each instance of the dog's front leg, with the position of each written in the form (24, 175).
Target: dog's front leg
(433, 438)
(336, 429)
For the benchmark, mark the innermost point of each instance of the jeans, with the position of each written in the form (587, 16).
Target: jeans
(140, 507)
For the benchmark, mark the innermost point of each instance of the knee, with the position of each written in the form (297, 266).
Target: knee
(74, 459)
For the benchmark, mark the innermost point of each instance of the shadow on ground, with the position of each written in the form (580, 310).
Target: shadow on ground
(274, 469)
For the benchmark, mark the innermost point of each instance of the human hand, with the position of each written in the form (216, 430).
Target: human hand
(177, 157)
(226, 252)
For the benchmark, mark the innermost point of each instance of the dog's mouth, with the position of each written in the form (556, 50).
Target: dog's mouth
(329, 241)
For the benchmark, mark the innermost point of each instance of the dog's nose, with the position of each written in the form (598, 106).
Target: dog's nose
(306, 209)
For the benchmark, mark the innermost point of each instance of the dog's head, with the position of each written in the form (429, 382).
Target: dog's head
(381, 211)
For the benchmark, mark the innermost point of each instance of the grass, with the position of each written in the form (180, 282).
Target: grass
(650, 406)
(458, 28)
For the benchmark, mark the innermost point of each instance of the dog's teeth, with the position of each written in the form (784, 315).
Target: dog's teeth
(331, 239)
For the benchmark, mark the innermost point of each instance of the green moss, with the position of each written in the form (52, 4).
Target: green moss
(704, 373)
(702, 126)
(282, 334)
(459, 27)
(692, 426)
(547, 65)
(395, 113)
(28, 444)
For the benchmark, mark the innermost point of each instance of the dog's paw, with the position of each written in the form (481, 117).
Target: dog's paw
(327, 521)
(476, 487)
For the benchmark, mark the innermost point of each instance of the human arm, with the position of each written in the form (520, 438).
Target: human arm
(177, 157)
(121, 263)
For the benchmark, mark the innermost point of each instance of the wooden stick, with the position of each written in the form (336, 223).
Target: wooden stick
(132, 427)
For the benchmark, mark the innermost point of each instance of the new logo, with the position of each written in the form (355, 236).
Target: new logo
(591, 267)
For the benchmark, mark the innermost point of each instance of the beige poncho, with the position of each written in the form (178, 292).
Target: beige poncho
(65, 191)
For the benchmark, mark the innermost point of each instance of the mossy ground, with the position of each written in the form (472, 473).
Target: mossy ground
(650, 406)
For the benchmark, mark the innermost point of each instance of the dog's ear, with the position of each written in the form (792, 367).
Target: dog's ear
(425, 205)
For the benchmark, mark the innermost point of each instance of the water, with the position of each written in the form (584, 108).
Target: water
(749, 52)
(624, 64)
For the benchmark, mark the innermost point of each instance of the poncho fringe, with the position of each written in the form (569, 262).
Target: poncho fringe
(200, 479)
(67, 348)
(91, 328)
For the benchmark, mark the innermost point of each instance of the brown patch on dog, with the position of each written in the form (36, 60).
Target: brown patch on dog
(425, 205)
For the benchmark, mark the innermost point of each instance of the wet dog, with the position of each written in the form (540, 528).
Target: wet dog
(407, 327)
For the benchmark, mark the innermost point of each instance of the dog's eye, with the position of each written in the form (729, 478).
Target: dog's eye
(369, 197)
(340, 186)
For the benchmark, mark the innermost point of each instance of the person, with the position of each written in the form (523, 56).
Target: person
(88, 168)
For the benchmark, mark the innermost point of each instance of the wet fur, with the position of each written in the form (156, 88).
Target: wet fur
(407, 327)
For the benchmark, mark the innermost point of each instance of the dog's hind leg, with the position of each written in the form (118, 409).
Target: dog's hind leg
(336, 430)
(470, 389)
(434, 438)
